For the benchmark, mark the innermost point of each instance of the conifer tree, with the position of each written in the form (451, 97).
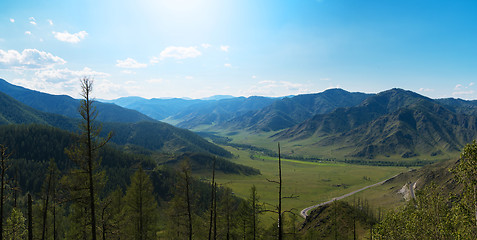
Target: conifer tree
(16, 229)
(4, 165)
(180, 224)
(140, 207)
(85, 155)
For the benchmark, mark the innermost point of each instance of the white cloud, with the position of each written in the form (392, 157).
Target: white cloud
(227, 65)
(254, 77)
(60, 75)
(325, 79)
(469, 92)
(32, 20)
(426, 90)
(154, 60)
(267, 82)
(276, 88)
(206, 45)
(27, 33)
(130, 63)
(155, 80)
(178, 53)
(131, 83)
(463, 90)
(28, 58)
(71, 38)
(50, 22)
(224, 48)
(12, 20)
(64, 81)
(128, 72)
(109, 90)
(189, 77)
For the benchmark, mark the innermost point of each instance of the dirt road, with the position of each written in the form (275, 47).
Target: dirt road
(304, 212)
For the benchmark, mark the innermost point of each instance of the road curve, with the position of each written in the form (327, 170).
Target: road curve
(304, 212)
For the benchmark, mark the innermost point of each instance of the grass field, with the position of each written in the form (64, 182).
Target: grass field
(309, 148)
(313, 182)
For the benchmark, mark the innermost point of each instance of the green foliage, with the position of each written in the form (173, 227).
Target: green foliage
(201, 161)
(140, 207)
(160, 136)
(435, 214)
(339, 220)
(15, 228)
(428, 216)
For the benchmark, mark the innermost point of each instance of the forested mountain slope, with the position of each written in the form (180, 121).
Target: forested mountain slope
(288, 112)
(68, 106)
(152, 135)
(394, 122)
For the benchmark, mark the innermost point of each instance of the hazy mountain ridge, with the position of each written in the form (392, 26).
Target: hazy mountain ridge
(288, 112)
(156, 108)
(68, 106)
(219, 111)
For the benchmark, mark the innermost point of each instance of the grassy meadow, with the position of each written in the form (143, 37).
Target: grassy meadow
(312, 182)
(309, 148)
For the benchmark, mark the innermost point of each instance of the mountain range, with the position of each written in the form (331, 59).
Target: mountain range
(396, 122)
(143, 132)
(393, 122)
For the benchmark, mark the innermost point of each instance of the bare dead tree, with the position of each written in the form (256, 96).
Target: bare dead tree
(278, 208)
(212, 199)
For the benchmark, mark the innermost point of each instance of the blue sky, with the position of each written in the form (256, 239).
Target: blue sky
(199, 48)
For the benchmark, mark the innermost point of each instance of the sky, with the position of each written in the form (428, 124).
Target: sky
(200, 48)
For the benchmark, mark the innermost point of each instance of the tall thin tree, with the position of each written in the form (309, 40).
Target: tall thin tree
(85, 154)
(4, 166)
(279, 210)
(212, 199)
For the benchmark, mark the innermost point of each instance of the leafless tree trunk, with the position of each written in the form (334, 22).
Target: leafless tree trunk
(212, 198)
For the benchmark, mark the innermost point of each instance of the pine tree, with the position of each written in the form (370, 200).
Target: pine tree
(180, 224)
(141, 207)
(84, 180)
(4, 165)
(16, 229)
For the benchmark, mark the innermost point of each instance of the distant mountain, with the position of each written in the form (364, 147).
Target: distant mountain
(68, 106)
(162, 137)
(217, 97)
(287, 112)
(220, 111)
(151, 135)
(15, 112)
(394, 122)
(156, 108)
(459, 105)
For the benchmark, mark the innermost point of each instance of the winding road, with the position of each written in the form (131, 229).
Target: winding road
(304, 212)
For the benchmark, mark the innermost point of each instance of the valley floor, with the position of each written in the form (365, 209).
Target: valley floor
(312, 182)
